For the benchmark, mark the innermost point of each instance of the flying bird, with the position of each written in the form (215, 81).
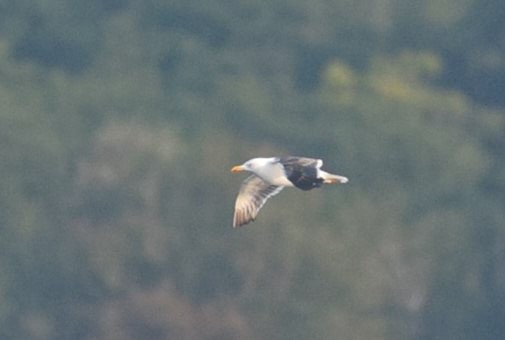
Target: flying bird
(270, 175)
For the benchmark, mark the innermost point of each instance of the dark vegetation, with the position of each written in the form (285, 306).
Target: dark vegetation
(119, 121)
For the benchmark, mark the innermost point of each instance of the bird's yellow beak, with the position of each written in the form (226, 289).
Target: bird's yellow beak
(237, 168)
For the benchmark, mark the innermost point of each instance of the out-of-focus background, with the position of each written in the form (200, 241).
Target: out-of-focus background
(120, 119)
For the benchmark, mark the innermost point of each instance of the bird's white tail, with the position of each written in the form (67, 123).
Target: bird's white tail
(332, 179)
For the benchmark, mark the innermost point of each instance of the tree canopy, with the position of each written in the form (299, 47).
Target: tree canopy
(119, 121)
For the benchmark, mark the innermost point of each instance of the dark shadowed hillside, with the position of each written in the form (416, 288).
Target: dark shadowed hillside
(120, 120)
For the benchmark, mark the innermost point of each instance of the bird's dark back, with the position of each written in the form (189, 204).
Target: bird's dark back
(302, 172)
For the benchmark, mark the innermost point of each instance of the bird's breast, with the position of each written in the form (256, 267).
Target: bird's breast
(275, 175)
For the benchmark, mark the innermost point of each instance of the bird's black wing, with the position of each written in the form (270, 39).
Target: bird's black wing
(302, 171)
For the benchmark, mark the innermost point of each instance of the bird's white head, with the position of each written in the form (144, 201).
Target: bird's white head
(253, 164)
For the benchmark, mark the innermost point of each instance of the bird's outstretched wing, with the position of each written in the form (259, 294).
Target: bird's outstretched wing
(253, 194)
(293, 161)
(303, 172)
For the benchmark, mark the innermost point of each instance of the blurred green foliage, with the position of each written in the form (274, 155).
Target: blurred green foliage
(119, 120)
